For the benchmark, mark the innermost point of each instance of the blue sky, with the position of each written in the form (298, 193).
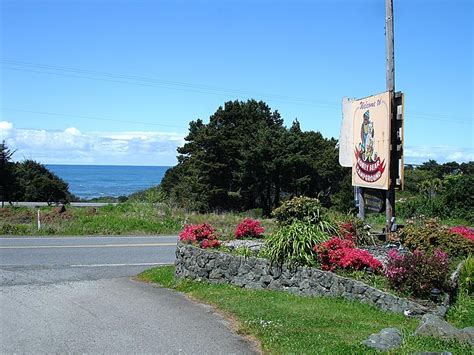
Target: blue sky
(116, 82)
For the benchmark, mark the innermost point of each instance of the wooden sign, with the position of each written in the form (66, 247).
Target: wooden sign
(371, 132)
(374, 200)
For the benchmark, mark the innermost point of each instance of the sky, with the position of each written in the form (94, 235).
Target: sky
(117, 82)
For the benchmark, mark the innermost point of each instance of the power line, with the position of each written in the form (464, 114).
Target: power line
(178, 83)
(153, 82)
(196, 88)
(88, 117)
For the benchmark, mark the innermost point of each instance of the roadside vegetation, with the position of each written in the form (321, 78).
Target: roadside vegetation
(285, 323)
(135, 218)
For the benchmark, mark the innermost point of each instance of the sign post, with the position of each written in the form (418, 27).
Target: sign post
(373, 127)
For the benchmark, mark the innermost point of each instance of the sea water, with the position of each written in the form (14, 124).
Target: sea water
(90, 181)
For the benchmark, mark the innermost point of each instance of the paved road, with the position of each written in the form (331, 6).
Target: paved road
(75, 295)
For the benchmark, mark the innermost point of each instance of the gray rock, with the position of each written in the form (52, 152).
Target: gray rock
(468, 335)
(386, 339)
(432, 325)
(254, 245)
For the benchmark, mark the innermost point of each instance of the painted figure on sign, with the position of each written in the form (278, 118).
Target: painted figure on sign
(367, 137)
(368, 166)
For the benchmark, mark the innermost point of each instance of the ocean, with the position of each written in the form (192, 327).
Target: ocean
(90, 181)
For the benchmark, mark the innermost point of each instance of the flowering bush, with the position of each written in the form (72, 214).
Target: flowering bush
(342, 253)
(464, 231)
(428, 235)
(203, 235)
(249, 228)
(417, 272)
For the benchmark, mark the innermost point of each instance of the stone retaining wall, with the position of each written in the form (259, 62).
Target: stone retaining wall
(257, 273)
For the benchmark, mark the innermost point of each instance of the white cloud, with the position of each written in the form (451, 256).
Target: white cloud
(72, 146)
(5, 129)
(5, 125)
(73, 131)
(442, 154)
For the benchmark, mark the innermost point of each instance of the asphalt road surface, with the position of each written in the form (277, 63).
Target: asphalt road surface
(76, 295)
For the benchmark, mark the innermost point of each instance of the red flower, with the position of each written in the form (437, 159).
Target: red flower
(464, 231)
(337, 252)
(249, 228)
(200, 234)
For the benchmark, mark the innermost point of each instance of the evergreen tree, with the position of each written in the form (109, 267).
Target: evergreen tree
(7, 178)
(245, 158)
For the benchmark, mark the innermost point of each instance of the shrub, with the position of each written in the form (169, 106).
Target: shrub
(464, 231)
(418, 272)
(293, 244)
(428, 235)
(307, 210)
(203, 235)
(432, 207)
(355, 229)
(341, 253)
(249, 228)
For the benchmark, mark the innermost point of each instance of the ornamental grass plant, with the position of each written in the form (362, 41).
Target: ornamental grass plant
(293, 244)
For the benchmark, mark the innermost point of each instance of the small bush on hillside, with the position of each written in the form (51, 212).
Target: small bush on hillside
(202, 235)
(418, 272)
(342, 253)
(306, 210)
(249, 228)
(428, 235)
(293, 244)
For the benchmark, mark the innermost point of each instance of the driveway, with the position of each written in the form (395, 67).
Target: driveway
(75, 295)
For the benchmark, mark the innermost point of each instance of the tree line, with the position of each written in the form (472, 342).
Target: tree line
(29, 181)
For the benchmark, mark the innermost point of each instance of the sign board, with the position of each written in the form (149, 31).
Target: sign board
(374, 200)
(346, 137)
(371, 141)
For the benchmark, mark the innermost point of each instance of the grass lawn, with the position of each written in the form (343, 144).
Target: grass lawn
(124, 218)
(285, 323)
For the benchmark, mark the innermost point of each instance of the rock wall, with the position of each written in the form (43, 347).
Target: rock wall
(257, 273)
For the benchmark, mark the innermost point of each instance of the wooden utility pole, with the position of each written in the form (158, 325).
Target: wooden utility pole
(390, 78)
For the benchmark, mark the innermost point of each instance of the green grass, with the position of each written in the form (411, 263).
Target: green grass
(125, 218)
(461, 314)
(286, 323)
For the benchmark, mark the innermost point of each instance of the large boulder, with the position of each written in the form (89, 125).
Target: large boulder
(434, 326)
(386, 339)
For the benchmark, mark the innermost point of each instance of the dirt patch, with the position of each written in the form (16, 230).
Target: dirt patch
(16, 216)
(57, 215)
